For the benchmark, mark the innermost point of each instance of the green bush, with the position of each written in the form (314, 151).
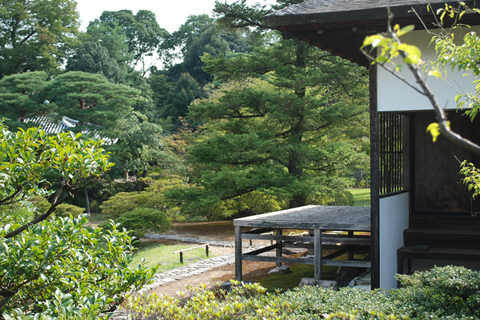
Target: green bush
(65, 210)
(62, 266)
(41, 205)
(443, 293)
(143, 220)
(250, 301)
(446, 292)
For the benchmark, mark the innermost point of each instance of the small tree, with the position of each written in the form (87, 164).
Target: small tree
(54, 266)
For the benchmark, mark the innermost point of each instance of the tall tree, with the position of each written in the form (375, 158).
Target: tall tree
(143, 34)
(179, 98)
(92, 57)
(90, 98)
(36, 35)
(281, 121)
(199, 35)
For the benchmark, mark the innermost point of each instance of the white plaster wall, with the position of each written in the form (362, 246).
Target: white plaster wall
(393, 220)
(394, 95)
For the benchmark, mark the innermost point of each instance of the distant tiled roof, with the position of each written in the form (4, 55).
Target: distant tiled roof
(50, 125)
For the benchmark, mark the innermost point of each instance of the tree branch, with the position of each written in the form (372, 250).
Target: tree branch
(440, 113)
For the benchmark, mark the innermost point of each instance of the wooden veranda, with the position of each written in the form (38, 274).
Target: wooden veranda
(320, 221)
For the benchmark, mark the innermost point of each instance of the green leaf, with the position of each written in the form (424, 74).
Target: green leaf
(405, 30)
(434, 129)
(435, 73)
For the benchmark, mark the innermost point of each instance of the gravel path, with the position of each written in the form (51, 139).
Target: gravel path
(188, 239)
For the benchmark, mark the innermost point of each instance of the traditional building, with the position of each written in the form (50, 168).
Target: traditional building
(421, 213)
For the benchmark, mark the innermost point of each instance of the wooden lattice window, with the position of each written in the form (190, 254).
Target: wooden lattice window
(392, 156)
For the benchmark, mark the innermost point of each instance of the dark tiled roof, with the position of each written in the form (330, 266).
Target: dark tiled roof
(329, 6)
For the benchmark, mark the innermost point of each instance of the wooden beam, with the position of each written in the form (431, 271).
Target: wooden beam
(261, 250)
(317, 251)
(278, 253)
(238, 253)
(277, 237)
(374, 177)
(275, 259)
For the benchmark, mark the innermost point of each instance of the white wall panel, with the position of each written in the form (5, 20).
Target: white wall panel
(394, 95)
(393, 220)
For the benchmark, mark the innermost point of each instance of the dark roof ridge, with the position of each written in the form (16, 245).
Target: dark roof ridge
(326, 6)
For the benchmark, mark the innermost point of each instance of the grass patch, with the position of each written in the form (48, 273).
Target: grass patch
(284, 282)
(163, 255)
(362, 196)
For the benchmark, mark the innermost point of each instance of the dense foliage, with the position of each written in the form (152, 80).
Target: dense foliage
(59, 265)
(36, 35)
(143, 220)
(441, 293)
(64, 266)
(160, 117)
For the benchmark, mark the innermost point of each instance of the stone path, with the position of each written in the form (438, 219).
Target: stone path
(189, 270)
(191, 240)
(176, 274)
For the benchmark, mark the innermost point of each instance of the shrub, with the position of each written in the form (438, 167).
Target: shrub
(143, 220)
(444, 292)
(62, 266)
(66, 210)
(448, 293)
(249, 301)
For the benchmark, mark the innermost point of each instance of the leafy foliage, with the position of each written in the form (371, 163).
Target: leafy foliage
(92, 57)
(27, 156)
(90, 98)
(18, 94)
(36, 34)
(143, 220)
(143, 34)
(280, 122)
(442, 293)
(64, 266)
(245, 301)
(153, 197)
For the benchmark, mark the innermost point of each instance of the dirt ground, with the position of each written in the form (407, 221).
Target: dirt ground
(252, 271)
(219, 231)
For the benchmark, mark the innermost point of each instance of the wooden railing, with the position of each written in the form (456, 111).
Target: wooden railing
(196, 247)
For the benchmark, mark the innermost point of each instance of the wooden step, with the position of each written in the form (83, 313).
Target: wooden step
(446, 239)
(406, 253)
(439, 254)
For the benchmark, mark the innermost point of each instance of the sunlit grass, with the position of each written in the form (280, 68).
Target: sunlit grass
(362, 196)
(163, 255)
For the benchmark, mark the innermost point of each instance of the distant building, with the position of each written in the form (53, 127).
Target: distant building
(50, 125)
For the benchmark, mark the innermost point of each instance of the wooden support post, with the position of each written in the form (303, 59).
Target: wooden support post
(317, 251)
(181, 256)
(238, 253)
(278, 252)
(206, 249)
(351, 254)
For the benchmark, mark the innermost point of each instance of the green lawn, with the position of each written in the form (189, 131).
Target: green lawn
(362, 196)
(163, 255)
